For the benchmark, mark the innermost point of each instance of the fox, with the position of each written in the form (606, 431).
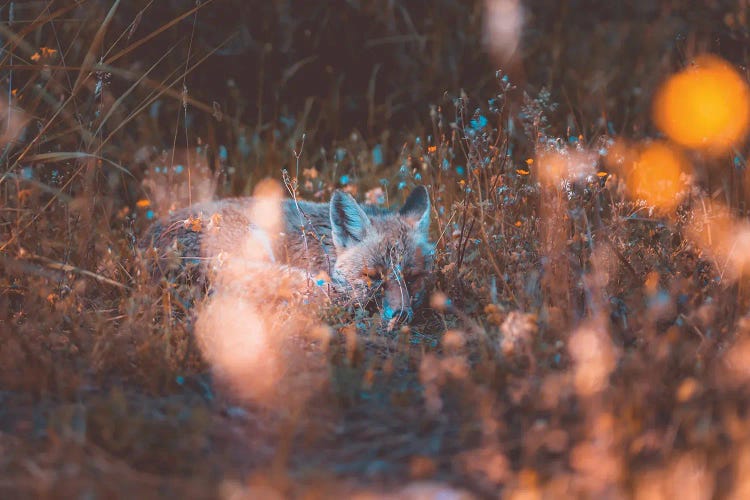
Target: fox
(376, 259)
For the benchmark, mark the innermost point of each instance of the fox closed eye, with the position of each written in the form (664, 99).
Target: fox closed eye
(372, 276)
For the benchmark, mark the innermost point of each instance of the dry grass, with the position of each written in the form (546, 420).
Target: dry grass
(578, 342)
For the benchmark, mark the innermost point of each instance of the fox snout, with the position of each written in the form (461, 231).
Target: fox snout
(396, 304)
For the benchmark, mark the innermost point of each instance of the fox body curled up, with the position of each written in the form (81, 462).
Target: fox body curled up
(375, 258)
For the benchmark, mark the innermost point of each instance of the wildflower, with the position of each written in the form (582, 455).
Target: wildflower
(153, 111)
(143, 203)
(193, 224)
(287, 121)
(23, 195)
(478, 123)
(344, 180)
(243, 146)
(377, 155)
(375, 196)
(521, 171)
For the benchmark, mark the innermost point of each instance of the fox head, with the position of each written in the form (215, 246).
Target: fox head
(383, 259)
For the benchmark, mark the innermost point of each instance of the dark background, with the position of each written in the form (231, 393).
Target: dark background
(375, 66)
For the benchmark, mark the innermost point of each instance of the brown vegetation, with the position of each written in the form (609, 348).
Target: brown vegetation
(587, 335)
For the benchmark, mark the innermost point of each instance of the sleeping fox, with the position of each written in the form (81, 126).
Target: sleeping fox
(375, 258)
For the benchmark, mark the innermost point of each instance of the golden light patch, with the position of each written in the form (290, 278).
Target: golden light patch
(620, 154)
(705, 106)
(656, 176)
(594, 358)
(723, 236)
(215, 221)
(439, 301)
(553, 167)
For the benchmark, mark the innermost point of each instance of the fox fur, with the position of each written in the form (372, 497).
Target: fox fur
(374, 257)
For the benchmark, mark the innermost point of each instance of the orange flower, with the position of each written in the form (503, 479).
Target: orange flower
(194, 224)
(24, 194)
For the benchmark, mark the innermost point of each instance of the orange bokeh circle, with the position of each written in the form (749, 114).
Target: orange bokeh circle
(657, 175)
(704, 107)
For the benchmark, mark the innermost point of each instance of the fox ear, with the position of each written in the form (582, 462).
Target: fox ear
(349, 223)
(417, 209)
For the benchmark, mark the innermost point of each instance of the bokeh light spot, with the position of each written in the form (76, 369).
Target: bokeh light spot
(705, 106)
(657, 175)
